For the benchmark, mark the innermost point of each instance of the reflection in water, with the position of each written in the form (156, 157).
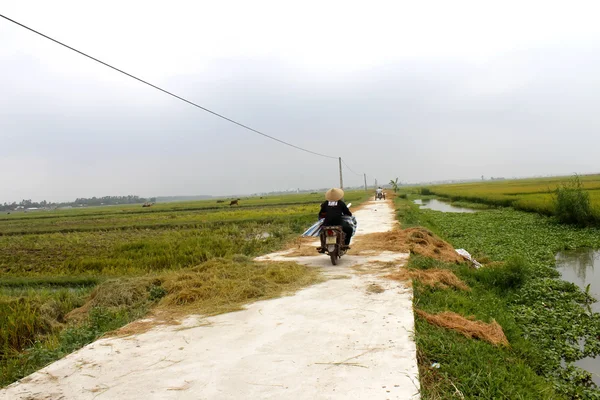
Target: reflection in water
(433, 204)
(579, 267)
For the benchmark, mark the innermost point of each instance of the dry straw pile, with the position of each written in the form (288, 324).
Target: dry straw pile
(491, 332)
(435, 277)
(414, 240)
(213, 287)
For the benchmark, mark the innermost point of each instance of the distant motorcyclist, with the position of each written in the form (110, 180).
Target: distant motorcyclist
(379, 193)
(333, 208)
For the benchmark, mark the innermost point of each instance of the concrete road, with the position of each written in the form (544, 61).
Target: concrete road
(347, 338)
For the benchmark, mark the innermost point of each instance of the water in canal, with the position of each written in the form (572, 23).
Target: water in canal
(434, 204)
(582, 267)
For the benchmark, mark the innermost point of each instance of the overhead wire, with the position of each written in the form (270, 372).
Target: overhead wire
(176, 96)
(350, 169)
(167, 92)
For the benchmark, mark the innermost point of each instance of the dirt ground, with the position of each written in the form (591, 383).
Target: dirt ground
(350, 337)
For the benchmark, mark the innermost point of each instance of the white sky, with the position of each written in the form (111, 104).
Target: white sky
(417, 90)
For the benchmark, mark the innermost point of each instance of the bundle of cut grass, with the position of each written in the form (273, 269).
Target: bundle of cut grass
(430, 277)
(416, 240)
(213, 287)
(423, 242)
(490, 332)
(394, 240)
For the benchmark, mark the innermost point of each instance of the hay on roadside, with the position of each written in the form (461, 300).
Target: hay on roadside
(303, 247)
(152, 319)
(125, 292)
(375, 288)
(416, 240)
(221, 285)
(442, 278)
(425, 243)
(213, 287)
(394, 240)
(490, 332)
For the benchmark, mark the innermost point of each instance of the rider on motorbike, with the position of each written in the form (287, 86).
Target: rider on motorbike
(333, 208)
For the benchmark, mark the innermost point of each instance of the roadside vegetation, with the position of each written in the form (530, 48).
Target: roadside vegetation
(546, 196)
(547, 321)
(70, 276)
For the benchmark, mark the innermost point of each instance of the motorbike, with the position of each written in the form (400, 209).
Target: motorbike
(380, 196)
(333, 239)
(332, 242)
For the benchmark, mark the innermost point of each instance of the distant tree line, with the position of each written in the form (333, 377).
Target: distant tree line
(110, 200)
(94, 201)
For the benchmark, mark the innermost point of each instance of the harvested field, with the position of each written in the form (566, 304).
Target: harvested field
(430, 277)
(489, 332)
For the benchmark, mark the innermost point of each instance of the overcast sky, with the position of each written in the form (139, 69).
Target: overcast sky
(419, 90)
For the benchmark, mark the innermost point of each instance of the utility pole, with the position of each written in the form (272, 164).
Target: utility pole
(366, 190)
(341, 181)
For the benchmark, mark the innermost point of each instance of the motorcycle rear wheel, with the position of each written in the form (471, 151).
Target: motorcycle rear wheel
(334, 257)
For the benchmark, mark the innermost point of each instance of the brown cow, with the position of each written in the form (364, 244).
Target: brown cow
(234, 202)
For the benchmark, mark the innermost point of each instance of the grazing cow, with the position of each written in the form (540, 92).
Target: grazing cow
(234, 202)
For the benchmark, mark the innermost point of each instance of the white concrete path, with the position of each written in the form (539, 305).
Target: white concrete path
(334, 340)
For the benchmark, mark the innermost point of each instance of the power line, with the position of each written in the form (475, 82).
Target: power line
(355, 173)
(166, 91)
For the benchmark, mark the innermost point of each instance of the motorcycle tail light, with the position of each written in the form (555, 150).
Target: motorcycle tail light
(330, 232)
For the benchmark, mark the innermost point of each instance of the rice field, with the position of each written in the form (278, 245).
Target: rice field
(69, 276)
(534, 195)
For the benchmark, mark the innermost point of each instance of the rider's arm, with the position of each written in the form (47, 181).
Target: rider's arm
(323, 211)
(344, 208)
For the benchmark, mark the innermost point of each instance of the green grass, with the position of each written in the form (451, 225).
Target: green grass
(120, 262)
(476, 368)
(535, 195)
(138, 251)
(139, 242)
(543, 317)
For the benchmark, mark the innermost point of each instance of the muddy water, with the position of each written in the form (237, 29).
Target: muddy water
(433, 204)
(582, 267)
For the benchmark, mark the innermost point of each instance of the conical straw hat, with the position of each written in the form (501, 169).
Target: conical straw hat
(334, 194)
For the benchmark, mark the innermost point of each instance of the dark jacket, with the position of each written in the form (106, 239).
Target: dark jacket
(332, 211)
